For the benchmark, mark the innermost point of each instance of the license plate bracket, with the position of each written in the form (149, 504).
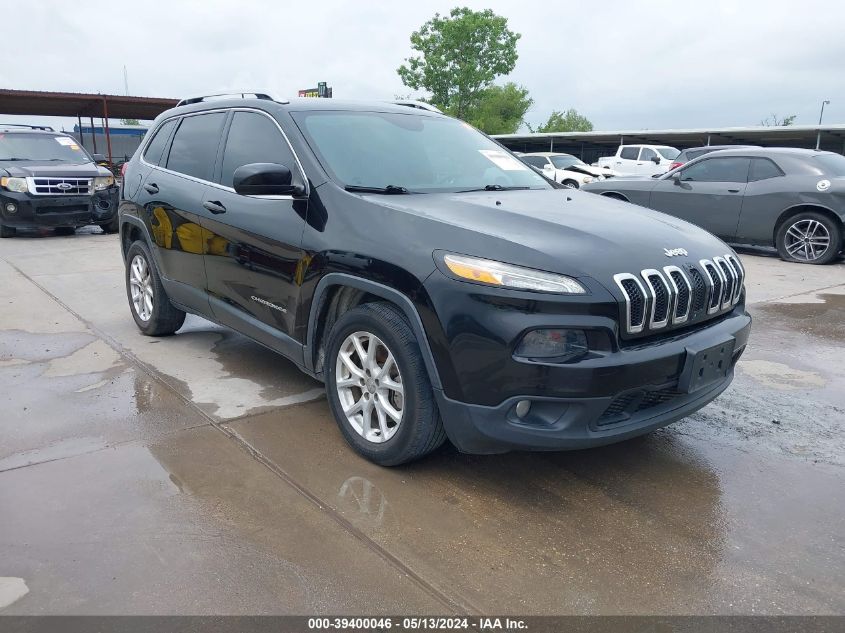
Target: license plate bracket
(705, 366)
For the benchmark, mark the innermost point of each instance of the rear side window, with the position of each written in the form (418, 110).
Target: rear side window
(763, 169)
(630, 153)
(194, 148)
(696, 154)
(153, 152)
(254, 138)
(537, 161)
(717, 170)
(648, 154)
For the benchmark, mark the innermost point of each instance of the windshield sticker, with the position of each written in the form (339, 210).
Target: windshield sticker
(823, 185)
(64, 140)
(502, 160)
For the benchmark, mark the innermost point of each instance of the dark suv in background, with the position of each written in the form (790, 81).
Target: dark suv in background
(47, 179)
(438, 285)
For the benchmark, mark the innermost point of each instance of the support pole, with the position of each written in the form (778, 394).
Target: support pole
(106, 124)
(93, 136)
(79, 126)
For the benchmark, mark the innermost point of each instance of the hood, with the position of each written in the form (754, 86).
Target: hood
(565, 231)
(23, 169)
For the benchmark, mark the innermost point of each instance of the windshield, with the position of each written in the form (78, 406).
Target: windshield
(420, 153)
(24, 146)
(563, 161)
(669, 153)
(832, 164)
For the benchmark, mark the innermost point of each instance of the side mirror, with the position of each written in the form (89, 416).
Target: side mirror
(264, 179)
(99, 158)
(676, 178)
(548, 167)
(656, 159)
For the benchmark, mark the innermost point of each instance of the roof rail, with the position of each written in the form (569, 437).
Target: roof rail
(242, 95)
(46, 128)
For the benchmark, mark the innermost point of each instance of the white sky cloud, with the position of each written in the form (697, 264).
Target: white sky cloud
(626, 65)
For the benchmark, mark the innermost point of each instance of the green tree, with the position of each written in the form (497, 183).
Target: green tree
(500, 109)
(130, 122)
(773, 120)
(569, 121)
(459, 57)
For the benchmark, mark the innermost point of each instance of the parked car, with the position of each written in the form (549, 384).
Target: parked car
(566, 169)
(642, 160)
(792, 199)
(47, 179)
(435, 283)
(687, 155)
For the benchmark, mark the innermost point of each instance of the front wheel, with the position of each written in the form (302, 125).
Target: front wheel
(378, 388)
(110, 227)
(151, 308)
(570, 184)
(809, 238)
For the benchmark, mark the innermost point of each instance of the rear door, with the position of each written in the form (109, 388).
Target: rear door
(172, 195)
(254, 258)
(707, 193)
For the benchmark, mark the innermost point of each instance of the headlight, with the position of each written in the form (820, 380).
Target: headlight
(14, 184)
(586, 179)
(103, 182)
(508, 276)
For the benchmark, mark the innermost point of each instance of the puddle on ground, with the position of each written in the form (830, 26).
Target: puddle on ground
(780, 376)
(822, 316)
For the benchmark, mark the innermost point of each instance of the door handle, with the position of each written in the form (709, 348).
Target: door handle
(151, 188)
(214, 207)
(733, 190)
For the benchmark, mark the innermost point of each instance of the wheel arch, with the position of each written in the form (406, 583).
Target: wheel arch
(802, 208)
(338, 292)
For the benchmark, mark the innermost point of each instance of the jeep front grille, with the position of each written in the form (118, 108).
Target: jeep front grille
(656, 299)
(61, 186)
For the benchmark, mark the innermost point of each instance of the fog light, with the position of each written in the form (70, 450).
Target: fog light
(11, 207)
(522, 408)
(559, 346)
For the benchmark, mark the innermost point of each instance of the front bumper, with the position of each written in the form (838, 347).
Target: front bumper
(55, 211)
(619, 393)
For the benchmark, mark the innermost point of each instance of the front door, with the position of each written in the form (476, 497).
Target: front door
(253, 255)
(707, 193)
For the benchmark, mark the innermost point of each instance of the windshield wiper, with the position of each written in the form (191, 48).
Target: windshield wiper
(3, 160)
(389, 189)
(493, 188)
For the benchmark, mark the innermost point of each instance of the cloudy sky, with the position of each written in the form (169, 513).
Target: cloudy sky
(626, 65)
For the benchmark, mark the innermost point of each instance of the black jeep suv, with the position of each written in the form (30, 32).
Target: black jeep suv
(436, 284)
(48, 180)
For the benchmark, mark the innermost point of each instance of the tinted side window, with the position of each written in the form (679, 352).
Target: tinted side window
(630, 153)
(763, 169)
(254, 138)
(194, 147)
(537, 161)
(696, 154)
(153, 152)
(717, 170)
(647, 154)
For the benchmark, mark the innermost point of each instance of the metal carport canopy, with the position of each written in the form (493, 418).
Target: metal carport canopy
(75, 104)
(605, 143)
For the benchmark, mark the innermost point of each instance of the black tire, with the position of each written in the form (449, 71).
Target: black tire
(420, 429)
(787, 238)
(570, 184)
(164, 319)
(65, 230)
(7, 231)
(111, 227)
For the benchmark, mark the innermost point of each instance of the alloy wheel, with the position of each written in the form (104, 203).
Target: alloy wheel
(369, 386)
(141, 287)
(807, 240)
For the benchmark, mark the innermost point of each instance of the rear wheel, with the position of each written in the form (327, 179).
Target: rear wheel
(809, 238)
(7, 231)
(151, 308)
(378, 387)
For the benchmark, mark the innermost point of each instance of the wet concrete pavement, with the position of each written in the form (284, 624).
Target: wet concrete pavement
(203, 474)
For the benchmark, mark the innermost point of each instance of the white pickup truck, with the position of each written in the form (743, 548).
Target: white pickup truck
(640, 160)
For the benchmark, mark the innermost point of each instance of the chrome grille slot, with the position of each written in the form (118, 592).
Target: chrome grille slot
(730, 280)
(733, 261)
(661, 298)
(716, 284)
(635, 301)
(682, 289)
(41, 186)
(699, 290)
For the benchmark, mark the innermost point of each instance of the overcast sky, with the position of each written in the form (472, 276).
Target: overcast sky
(625, 65)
